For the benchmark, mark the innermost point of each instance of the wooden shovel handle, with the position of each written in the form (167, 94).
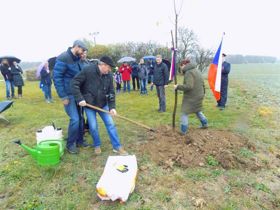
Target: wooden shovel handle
(121, 117)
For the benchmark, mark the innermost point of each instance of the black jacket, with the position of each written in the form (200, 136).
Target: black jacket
(6, 72)
(16, 72)
(95, 88)
(161, 74)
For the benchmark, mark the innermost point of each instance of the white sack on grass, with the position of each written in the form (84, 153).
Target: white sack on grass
(118, 178)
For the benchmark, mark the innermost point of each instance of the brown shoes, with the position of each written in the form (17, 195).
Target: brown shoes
(97, 150)
(120, 151)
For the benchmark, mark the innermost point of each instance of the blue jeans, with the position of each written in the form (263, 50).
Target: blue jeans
(47, 92)
(75, 127)
(10, 88)
(126, 84)
(185, 118)
(110, 126)
(143, 86)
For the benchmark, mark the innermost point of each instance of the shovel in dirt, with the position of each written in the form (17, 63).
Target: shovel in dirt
(121, 117)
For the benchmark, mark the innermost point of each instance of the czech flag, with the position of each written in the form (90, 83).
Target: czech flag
(173, 65)
(215, 73)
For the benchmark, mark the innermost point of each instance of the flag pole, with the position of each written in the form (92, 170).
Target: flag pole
(175, 81)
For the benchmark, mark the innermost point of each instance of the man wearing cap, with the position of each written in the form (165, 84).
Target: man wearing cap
(66, 67)
(94, 86)
(224, 83)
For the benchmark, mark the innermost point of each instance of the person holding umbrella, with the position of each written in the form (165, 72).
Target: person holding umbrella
(125, 69)
(67, 65)
(17, 72)
(6, 72)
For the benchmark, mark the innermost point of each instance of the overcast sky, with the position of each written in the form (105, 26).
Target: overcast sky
(35, 30)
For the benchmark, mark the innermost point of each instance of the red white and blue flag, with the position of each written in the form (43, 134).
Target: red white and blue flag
(173, 65)
(215, 73)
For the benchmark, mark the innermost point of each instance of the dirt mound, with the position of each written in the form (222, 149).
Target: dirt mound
(200, 147)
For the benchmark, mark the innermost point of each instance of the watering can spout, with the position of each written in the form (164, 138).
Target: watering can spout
(17, 142)
(33, 152)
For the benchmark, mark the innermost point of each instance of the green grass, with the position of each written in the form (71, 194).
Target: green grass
(71, 185)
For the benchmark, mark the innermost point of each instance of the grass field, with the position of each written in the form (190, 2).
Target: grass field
(253, 111)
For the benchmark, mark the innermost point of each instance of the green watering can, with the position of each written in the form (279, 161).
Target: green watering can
(47, 154)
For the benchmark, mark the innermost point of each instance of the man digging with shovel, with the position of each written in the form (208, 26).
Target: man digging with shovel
(94, 87)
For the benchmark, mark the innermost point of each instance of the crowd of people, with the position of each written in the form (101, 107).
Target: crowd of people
(140, 74)
(82, 84)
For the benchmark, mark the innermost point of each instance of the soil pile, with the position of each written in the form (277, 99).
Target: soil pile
(200, 147)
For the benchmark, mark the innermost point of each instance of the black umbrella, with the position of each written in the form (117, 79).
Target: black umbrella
(11, 59)
(51, 62)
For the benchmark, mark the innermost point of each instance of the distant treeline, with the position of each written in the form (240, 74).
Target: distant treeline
(239, 59)
(29, 65)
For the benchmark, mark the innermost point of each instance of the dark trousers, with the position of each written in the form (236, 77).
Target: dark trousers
(223, 100)
(119, 87)
(135, 78)
(161, 98)
(19, 90)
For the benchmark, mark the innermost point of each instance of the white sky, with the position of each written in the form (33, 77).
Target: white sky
(35, 30)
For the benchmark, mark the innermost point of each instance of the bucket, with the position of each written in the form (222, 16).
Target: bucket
(49, 133)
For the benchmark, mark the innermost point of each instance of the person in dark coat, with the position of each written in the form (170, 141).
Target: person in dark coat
(67, 65)
(224, 84)
(17, 72)
(193, 89)
(118, 80)
(46, 82)
(143, 76)
(134, 75)
(161, 82)
(84, 62)
(151, 65)
(6, 72)
(94, 86)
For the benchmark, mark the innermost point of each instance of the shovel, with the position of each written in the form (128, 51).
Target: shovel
(121, 117)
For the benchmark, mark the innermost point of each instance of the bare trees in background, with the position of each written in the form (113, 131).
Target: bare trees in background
(188, 47)
(187, 43)
(203, 58)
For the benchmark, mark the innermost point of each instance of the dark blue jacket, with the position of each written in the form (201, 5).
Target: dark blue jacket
(225, 72)
(45, 77)
(66, 67)
(6, 72)
(135, 69)
(161, 75)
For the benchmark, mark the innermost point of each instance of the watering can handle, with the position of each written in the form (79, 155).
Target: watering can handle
(17, 142)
